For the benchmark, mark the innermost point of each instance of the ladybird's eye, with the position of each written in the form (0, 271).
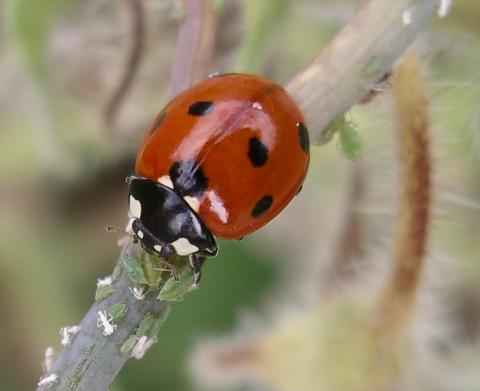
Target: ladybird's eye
(200, 108)
(257, 152)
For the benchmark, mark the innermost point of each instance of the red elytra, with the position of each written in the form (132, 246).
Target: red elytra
(234, 146)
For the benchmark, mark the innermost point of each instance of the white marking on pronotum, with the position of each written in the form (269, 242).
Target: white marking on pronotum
(183, 247)
(103, 282)
(216, 206)
(48, 360)
(192, 202)
(444, 7)
(48, 381)
(138, 293)
(135, 208)
(157, 247)
(407, 17)
(257, 106)
(140, 234)
(67, 333)
(105, 321)
(165, 181)
(141, 347)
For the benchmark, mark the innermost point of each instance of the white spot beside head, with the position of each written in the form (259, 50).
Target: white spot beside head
(157, 247)
(140, 234)
(407, 17)
(183, 247)
(192, 202)
(134, 208)
(257, 106)
(165, 181)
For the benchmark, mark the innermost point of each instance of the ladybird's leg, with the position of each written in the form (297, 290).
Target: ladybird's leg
(166, 253)
(196, 262)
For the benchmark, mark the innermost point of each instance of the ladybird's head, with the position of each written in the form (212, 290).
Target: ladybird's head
(164, 223)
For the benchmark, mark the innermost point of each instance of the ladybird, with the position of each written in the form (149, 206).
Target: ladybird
(221, 159)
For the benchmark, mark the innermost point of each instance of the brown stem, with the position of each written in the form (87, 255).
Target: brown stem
(411, 233)
(194, 45)
(135, 9)
(346, 245)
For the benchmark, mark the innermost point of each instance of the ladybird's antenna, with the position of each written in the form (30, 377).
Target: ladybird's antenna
(112, 228)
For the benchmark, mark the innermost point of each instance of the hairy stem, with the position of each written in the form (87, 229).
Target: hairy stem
(358, 57)
(411, 106)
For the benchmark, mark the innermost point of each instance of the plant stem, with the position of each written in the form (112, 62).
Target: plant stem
(194, 46)
(357, 58)
(135, 9)
(413, 141)
(92, 360)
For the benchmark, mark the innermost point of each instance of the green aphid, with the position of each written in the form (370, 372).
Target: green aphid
(145, 325)
(128, 344)
(117, 310)
(152, 273)
(103, 292)
(175, 290)
(350, 142)
(117, 271)
(133, 269)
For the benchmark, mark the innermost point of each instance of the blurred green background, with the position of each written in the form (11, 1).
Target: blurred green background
(62, 176)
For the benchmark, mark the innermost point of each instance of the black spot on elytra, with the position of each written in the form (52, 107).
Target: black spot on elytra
(157, 122)
(200, 108)
(303, 137)
(188, 178)
(257, 152)
(262, 206)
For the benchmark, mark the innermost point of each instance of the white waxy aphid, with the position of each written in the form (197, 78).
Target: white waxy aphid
(134, 208)
(138, 293)
(183, 247)
(104, 321)
(444, 8)
(141, 347)
(103, 282)
(407, 17)
(67, 333)
(165, 181)
(192, 202)
(48, 360)
(48, 380)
